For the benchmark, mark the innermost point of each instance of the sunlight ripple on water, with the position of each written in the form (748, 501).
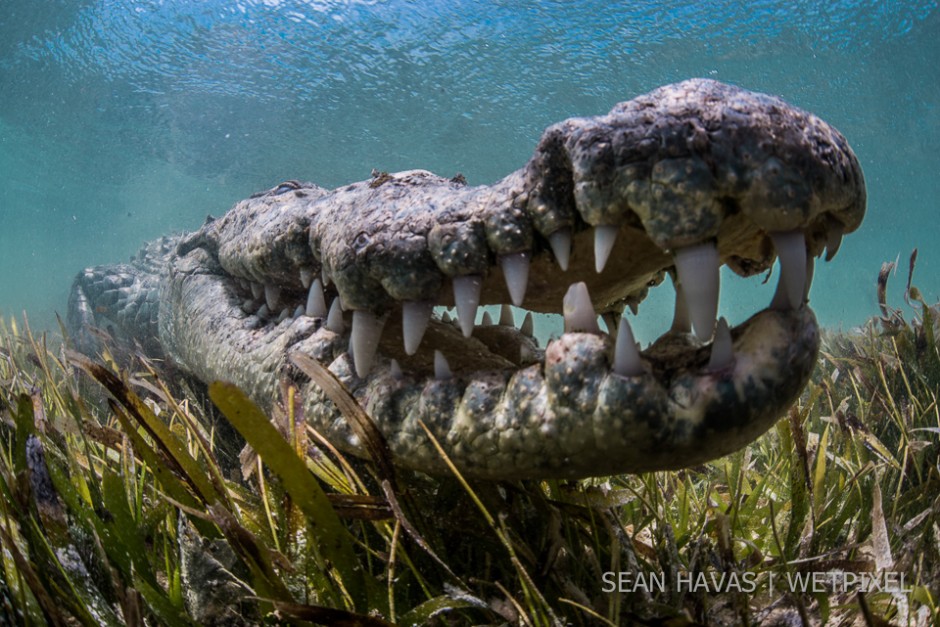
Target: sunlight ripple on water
(120, 121)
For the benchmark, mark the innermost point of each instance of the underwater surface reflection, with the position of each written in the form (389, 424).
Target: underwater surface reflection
(121, 121)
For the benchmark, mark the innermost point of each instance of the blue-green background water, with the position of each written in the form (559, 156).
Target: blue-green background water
(120, 120)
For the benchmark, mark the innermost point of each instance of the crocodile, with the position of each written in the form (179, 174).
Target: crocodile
(363, 278)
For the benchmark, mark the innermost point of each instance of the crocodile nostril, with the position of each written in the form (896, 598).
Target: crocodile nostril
(286, 186)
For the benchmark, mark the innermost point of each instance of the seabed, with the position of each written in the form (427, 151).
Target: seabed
(127, 499)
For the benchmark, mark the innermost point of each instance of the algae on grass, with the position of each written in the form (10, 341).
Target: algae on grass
(116, 509)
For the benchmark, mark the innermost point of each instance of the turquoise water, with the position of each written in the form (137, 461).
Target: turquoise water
(120, 121)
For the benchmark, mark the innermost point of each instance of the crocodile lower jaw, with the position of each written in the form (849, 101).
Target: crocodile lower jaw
(588, 404)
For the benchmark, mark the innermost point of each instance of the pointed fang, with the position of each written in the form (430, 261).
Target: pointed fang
(604, 237)
(791, 250)
(415, 316)
(467, 299)
(316, 302)
(680, 319)
(528, 325)
(780, 301)
(560, 242)
(505, 316)
(833, 241)
(441, 367)
(699, 280)
(810, 270)
(579, 311)
(516, 271)
(366, 333)
(272, 295)
(334, 320)
(722, 350)
(627, 361)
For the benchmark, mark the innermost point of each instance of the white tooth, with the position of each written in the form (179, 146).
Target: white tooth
(722, 351)
(446, 318)
(415, 315)
(272, 295)
(560, 242)
(467, 299)
(395, 370)
(516, 272)
(334, 320)
(528, 325)
(285, 314)
(325, 276)
(306, 275)
(780, 301)
(366, 333)
(810, 268)
(486, 320)
(579, 311)
(505, 316)
(604, 237)
(441, 367)
(299, 311)
(263, 313)
(627, 361)
(791, 250)
(833, 241)
(316, 303)
(257, 290)
(698, 270)
(680, 320)
(249, 306)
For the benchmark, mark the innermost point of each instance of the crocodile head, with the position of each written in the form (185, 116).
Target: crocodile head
(678, 181)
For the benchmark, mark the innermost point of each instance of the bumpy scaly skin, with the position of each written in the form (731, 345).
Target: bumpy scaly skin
(686, 164)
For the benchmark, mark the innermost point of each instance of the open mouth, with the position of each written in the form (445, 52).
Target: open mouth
(423, 336)
(679, 181)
